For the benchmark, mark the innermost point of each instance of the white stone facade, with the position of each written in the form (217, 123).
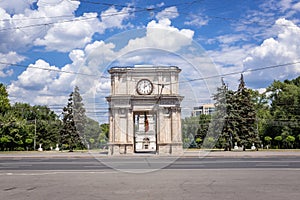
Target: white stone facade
(145, 122)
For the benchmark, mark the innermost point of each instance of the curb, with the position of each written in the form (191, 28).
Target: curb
(187, 154)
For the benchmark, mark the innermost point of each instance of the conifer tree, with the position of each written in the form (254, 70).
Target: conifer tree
(245, 116)
(73, 122)
(219, 119)
(80, 118)
(4, 101)
(229, 129)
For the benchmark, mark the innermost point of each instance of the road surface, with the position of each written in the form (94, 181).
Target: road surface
(70, 178)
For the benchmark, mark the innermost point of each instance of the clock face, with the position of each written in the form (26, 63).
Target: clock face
(144, 86)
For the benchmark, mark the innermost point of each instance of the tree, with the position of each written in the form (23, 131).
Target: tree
(285, 108)
(268, 140)
(237, 113)
(103, 136)
(12, 132)
(202, 128)
(92, 132)
(47, 126)
(73, 122)
(263, 115)
(278, 139)
(4, 101)
(22, 125)
(219, 120)
(80, 118)
(229, 132)
(290, 140)
(245, 116)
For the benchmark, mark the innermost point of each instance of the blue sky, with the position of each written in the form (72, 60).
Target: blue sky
(49, 46)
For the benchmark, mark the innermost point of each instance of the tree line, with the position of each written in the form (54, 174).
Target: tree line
(24, 127)
(245, 117)
(242, 117)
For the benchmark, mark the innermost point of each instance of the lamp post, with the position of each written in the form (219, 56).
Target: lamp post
(34, 139)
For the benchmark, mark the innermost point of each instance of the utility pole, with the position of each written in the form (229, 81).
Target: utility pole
(34, 139)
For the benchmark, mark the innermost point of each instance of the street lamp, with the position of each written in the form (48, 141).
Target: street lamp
(34, 139)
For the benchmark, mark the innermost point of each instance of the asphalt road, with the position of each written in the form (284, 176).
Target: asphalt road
(273, 178)
(146, 163)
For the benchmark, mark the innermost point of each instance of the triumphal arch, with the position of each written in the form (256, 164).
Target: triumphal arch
(144, 110)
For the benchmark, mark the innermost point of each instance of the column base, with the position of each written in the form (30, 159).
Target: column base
(120, 149)
(170, 149)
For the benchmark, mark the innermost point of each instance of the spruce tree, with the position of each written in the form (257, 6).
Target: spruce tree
(219, 119)
(229, 130)
(80, 118)
(4, 101)
(245, 116)
(73, 122)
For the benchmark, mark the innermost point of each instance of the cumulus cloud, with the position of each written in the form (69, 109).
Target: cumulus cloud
(112, 18)
(62, 36)
(89, 65)
(33, 82)
(35, 78)
(282, 49)
(161, 35)
(6, 60)
(16, 6)
(52, 24)
(19, 31)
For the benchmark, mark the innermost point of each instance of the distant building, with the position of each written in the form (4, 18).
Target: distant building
(206, 109)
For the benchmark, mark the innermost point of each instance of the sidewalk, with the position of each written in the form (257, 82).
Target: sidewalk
(187, 153)
(241, 154)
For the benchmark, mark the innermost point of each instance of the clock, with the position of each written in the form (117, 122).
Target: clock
(144, 87)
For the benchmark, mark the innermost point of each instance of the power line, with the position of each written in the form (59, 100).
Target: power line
(128, 6)
(239, 72)
(191, 80)
(73, 20)
(35, 18)
(134, 10)
(248, 22)
(54, 70)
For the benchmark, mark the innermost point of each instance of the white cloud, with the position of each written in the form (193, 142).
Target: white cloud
(289, 7)
(36, 79)
(285, 4)
(56, 7)
(19, 31)
(197, 20)
(10, 57)
(296, 6)
(234, 55)
(172, 46)
(161, 35)
(160, 4)
(62, 36)
(34, 85)
(112, 18)
(168, 13)
(229, 60)
(282, 49)
(16, 6)
(53, 25)
(230, 39)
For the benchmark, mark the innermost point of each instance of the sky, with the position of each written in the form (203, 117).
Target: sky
(47, 47)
